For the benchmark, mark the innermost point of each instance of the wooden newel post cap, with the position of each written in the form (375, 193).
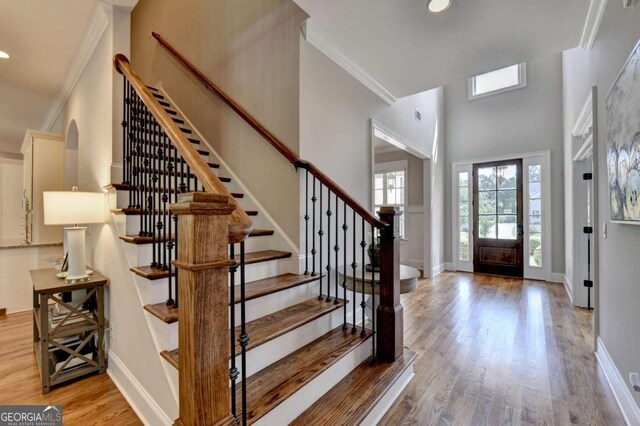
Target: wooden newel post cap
(389, 215)
(202, 204)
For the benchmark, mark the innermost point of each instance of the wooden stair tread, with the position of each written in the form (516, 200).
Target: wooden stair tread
(150, 273)
(166, 313)
(128, 187)
(272, 285)
(263, 256)
(267, 328)
(136, 239)
(271, 386)
(351, 400)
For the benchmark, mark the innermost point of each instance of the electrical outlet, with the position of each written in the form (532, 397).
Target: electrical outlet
(634, 379)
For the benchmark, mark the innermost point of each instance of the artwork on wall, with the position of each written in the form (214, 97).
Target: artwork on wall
(622, 107)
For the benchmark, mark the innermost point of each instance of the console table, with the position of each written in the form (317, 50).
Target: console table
(68, 337)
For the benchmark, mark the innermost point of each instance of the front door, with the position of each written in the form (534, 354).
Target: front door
(497, 218)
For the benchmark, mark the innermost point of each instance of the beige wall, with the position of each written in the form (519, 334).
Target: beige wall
(251, 50)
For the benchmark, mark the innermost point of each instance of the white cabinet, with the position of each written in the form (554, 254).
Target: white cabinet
(43, 171)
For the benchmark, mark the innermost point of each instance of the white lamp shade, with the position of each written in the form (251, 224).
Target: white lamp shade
(73, 208)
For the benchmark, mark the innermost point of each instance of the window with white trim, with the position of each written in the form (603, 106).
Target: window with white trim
(535, 215)
(498, 81)
(390, 189)
(463, 216)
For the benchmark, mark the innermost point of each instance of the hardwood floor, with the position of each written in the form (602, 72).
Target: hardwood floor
(91, 401)
(492, 351)
(500, 351)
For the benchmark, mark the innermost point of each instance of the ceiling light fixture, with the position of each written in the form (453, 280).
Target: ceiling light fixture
(4, 55)
(436, 6)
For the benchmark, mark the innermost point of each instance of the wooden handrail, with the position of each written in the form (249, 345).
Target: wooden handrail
(270, 137)
(240, 224)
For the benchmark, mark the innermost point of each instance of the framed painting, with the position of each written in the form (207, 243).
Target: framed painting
(622, 109)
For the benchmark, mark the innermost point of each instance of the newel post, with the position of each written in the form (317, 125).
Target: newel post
(389, 312)
(203, 261)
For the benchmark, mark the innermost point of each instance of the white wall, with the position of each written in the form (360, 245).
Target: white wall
(92, 105)
(519, 121)
(617, 288)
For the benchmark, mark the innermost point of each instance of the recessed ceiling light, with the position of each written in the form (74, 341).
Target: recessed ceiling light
(436, 6)
(4, 55)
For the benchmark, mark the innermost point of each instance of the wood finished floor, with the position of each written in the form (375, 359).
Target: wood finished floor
(91, 401)
(491, 351)
(500, 351)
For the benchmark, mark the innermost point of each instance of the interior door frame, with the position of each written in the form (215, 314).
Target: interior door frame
(529, 158)
(475, 216)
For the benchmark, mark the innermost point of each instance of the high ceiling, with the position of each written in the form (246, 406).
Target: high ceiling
(409, 50)
(42, 37)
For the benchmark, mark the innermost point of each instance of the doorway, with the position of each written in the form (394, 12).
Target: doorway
(498, 218)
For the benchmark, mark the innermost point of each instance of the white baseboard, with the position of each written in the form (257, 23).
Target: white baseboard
(557, 277)
(448, 266)
(413, 263)
(621, 392)
(569, 287)
(145, 407)
(438, 269)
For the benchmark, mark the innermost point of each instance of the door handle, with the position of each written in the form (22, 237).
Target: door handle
(520, 231)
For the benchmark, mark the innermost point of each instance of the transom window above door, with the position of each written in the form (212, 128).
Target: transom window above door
(497, 202)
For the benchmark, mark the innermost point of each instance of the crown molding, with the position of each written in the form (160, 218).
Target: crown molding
(592, 24)
(320, 41)
(99, 23)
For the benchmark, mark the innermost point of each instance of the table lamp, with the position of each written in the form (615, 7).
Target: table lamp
(73, 207)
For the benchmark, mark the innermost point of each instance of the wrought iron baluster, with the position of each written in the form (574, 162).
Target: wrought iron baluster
(345, 227)
(166, 198)
(336, 248)
(244, 338)
(320, 234)
(233, 371)
(329, 213)
(136, 158)
(306, 222)
(313, 230)
(363, 304)
(373, 299)
(145, 173)
(154, 194)
(354, 265)
(125, 123)
(174, 241)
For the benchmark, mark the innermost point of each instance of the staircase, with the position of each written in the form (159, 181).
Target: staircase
(301, 349)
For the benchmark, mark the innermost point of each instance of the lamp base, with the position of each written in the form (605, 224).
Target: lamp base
(76, 279)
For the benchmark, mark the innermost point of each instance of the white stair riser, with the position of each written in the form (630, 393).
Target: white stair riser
(379, 410)
(266, 305)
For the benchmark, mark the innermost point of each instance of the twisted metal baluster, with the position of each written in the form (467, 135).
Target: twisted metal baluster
(329, 213)
(320, 234)
(244, 338)
(345, 227)
(336, 248)
(306, 223)
(354, 265)
(313, 230)
(233, 371)
(363, 304)
(373, 300)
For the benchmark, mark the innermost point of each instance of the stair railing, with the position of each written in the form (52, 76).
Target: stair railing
(356, 222)
(194, 225)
